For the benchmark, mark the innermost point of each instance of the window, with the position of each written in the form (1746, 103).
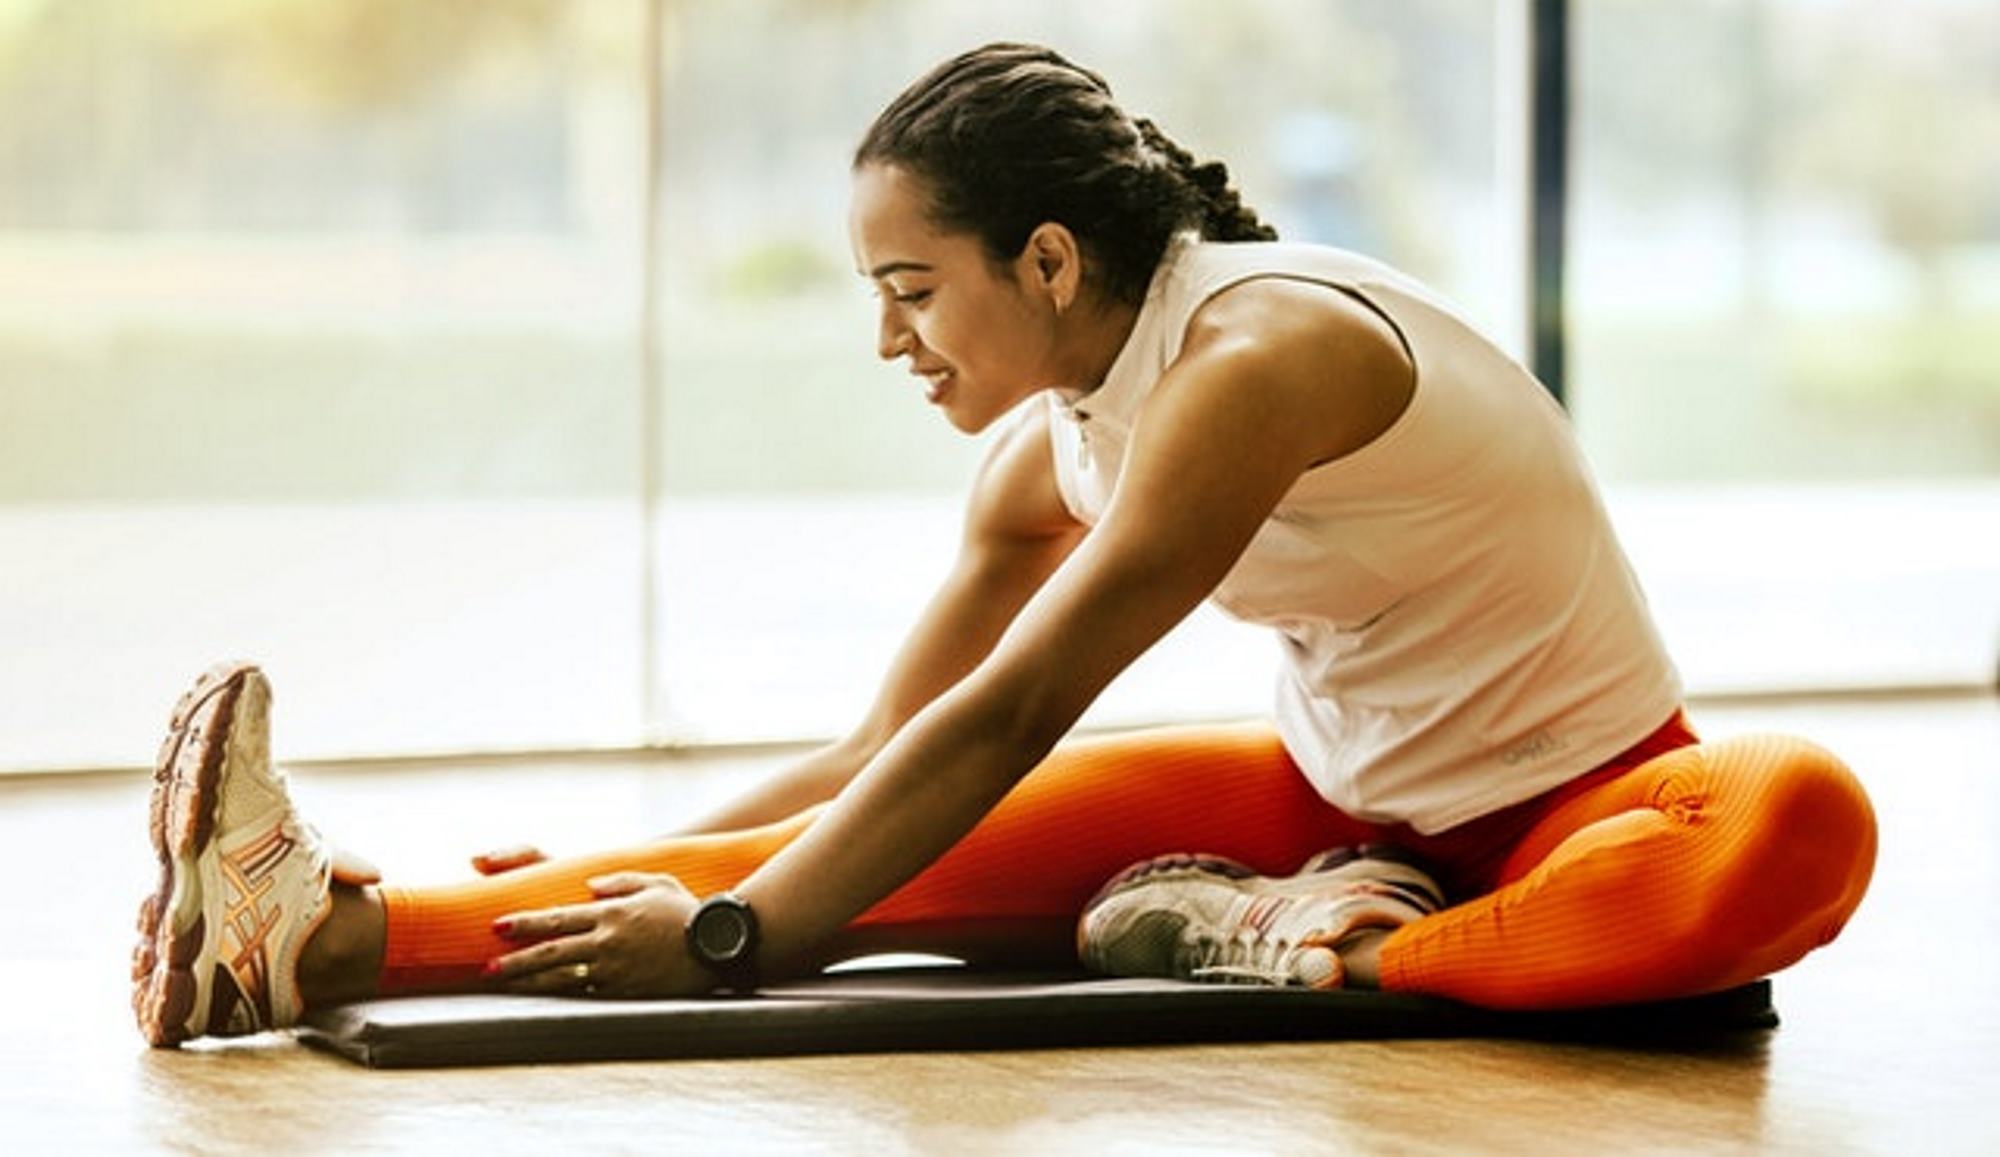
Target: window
(1783, 330)
(328, 336)
(811, 501)
(317, 345)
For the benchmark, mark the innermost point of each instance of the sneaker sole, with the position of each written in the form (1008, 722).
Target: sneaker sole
(186, 777)
(1173, 866)
(1176, 866)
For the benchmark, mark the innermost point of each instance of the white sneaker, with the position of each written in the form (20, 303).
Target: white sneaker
(243, 883)
(1205, 918)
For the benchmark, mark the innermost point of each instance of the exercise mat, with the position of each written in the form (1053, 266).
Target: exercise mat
(965, 1009)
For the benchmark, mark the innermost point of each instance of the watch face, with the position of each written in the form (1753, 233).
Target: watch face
(722, 933)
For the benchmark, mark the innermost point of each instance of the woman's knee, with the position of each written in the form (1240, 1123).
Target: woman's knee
(1807, 824)
(1803, 790)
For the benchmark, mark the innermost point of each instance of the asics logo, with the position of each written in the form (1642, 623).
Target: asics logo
(246, 920)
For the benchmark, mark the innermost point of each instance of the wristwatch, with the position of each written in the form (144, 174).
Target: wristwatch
(722, 936)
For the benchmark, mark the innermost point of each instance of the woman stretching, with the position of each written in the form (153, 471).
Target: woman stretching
(1477, 782)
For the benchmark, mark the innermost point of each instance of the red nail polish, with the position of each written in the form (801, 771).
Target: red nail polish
(491, 969)
(503, 927)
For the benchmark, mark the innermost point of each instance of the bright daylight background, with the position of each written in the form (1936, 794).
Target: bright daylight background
(324, 340)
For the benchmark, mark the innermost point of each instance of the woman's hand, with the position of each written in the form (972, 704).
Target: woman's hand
(629, 942)
(507, 859)
(353, 870)
(356, 872)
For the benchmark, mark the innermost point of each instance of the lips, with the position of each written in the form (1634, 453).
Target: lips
(938, 378)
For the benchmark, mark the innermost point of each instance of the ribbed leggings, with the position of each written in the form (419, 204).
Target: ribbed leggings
(1679, 867)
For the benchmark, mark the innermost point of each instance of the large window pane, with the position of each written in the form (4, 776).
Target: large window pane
(319, 343)
(317, 324)
(811, 499)
(1786, 302)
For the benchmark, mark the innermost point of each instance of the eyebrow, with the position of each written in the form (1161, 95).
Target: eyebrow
(888, 267)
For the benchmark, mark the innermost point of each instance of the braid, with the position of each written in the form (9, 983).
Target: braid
(1009, 136)
(1224, 216)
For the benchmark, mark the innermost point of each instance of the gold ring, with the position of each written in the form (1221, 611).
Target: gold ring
(581, 972)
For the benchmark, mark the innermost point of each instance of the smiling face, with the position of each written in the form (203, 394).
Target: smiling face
(982, 335)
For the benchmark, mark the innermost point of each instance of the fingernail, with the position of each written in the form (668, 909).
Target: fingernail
(503, 927)
(492, 968)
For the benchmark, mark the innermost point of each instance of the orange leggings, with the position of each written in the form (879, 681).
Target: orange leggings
(1673, 869)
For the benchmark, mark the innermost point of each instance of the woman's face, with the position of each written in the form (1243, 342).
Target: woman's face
(979, 335)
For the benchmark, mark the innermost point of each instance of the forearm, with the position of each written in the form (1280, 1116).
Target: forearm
(918, 797)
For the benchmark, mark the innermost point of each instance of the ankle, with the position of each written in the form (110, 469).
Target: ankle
(343, 959)
(1361, 958)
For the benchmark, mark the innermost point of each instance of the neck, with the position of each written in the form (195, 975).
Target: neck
(1095, 336)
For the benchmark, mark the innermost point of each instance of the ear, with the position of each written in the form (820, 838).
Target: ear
(1052, 264)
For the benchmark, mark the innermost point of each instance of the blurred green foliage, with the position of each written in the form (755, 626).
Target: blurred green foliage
(436, 121)
(780, 267)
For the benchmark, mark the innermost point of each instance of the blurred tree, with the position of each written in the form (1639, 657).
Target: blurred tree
(355, 54)
(259, 115)
(1386, 73)
(1911, 133)
(1661, 95)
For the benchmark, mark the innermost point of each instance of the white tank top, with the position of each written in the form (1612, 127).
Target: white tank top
(1459, 626)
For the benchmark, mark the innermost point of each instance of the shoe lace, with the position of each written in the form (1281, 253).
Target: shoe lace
(1244, 957)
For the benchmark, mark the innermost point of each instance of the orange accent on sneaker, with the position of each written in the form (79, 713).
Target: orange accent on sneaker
(243, 884)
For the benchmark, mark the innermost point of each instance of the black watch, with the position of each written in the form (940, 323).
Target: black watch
(722, 936)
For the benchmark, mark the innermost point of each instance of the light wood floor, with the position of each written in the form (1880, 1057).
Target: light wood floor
(1891, 1040)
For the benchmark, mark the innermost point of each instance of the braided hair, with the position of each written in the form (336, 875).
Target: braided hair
(1009, 136)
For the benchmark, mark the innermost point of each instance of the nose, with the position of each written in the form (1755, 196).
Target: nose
(892, 337)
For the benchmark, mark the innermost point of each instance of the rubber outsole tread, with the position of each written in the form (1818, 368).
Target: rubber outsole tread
(1179, 863)
(181, 821)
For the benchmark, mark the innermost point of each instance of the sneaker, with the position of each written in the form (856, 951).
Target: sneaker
(1205, 918)
(243, 883)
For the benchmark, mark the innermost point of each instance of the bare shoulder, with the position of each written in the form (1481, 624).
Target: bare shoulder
(1311, 352)
(1015, 496)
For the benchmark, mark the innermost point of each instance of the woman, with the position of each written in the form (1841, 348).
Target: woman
(1470, 678)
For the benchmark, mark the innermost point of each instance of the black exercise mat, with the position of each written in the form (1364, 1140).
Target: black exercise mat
(963, 1009)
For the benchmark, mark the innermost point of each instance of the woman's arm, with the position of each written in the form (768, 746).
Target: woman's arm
(1016, 533)
(1274, 379)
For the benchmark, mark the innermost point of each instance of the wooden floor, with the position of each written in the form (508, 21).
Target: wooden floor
(1891, 1040)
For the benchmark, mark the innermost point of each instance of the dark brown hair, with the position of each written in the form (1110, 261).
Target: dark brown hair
(1008, 136)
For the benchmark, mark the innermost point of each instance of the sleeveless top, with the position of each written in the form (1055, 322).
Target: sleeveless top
(1460, 629)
